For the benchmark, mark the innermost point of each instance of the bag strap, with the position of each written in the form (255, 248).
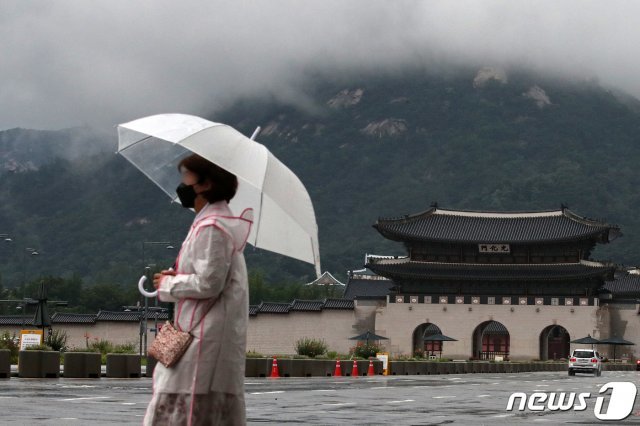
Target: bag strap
(204, 313)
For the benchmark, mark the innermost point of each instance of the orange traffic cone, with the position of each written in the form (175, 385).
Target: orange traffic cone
(371, 372)
(274, 369)
(354, 369)
(338, 371)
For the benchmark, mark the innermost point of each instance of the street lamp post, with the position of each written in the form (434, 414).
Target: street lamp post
(148, 273)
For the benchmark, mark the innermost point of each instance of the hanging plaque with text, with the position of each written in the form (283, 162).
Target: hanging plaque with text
(494, 248)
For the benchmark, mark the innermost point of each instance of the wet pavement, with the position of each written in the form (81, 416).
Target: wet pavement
(465, 399)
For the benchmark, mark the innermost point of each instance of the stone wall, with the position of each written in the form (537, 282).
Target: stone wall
(397, 321)
(271, 334)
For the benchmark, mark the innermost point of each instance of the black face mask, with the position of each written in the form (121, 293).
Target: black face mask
(187, 195)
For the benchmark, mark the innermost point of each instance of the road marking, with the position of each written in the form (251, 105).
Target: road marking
(323, 390)
(404, 400)
(499, 416)
(444, 396)
(383, 387)
(407, 380)
(337, 404)
(8, 397)
(84, 398)
(263, 393)
(68, 418)
(483, 396)
(128, 403)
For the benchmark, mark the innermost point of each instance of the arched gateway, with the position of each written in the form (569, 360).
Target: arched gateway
(490, 339)
(554, 342)
(429, 347)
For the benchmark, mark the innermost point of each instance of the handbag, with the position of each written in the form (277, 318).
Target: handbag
(170, 344)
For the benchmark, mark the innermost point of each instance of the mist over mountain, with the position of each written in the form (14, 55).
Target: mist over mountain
(365, 145)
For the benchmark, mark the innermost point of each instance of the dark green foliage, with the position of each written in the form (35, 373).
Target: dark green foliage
(488, 148)
(57, 340)
(365, 350)
(311, 347)
(11, 342)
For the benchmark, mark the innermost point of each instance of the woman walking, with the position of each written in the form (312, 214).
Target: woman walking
(210, 291)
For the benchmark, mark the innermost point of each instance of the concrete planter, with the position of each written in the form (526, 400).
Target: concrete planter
(39, 364)
(442, 368)
(458, 367)
(124, 366)
(5, 363)
(151, 366)
(410, 368)
(397, 368)
(82, 364)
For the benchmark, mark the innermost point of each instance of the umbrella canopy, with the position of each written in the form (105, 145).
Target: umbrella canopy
(439, 338)
(615, 341)
(285, 221)
(588, 340)
(368, 336)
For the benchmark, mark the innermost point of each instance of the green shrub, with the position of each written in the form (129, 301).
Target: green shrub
(57, 339)
(365, 350)
(311, 347)
(102, 346)
(254, 354)
(125, 348)
(39, 348)
(9, 341)
(75, 349)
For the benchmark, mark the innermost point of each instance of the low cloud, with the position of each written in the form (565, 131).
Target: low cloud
(99, 63)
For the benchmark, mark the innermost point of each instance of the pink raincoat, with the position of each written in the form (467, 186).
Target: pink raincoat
(206, 387)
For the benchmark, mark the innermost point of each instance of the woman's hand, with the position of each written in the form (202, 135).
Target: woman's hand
(157, 278)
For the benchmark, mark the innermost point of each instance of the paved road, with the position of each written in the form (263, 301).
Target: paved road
(467, 399)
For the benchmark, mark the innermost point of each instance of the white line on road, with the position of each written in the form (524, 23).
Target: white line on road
(383, 387)
(404, 400)
(263, 393)
(483, 396)
(499, 416)
(444, 396)
(84, 398)
(337, 404)
(323, 390)
(128, 403)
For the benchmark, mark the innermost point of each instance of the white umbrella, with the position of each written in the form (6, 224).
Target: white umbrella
(285, 221)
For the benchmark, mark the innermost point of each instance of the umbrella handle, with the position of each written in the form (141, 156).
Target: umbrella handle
(145, 293)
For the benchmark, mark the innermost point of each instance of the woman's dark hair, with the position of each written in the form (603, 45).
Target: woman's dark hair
(224, 183)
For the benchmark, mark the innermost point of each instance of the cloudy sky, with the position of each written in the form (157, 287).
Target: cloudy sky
(101, 62)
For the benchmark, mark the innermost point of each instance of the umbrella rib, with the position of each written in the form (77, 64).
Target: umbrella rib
(136, 143)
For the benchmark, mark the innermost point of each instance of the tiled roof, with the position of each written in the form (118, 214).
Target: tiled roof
(367, 288)
(16, 320)
(495, 327)
(403, 268)
(307, 305)
(133, 316)
(338, 304)
(71, 318)
(431, 330)
(493, 227)
(326, 279)
(300, 306)
(624, 284)
(274, 308)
